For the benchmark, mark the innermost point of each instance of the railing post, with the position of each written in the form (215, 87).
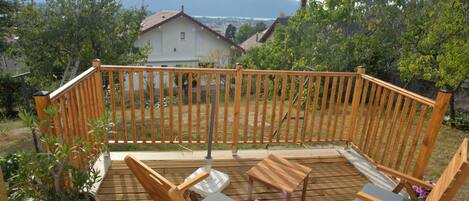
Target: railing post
(434, 125)
(3, 188)
(237, 105)
(99, 86)
(357, 92)
(42, 100)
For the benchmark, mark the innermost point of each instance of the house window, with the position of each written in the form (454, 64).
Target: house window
(183, 35)
(164, 65)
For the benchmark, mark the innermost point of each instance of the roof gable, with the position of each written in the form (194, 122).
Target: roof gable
(163, 17)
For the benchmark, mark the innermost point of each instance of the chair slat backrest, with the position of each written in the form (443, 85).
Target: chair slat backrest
(453, 177)
(157, 186)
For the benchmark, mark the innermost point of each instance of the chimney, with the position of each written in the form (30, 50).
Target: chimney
(182, 8)
(303, 3)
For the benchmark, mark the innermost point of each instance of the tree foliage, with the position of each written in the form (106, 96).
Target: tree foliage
(435, 45)
(230, 32)
(60, 38)
(7, 11)
(334, 35)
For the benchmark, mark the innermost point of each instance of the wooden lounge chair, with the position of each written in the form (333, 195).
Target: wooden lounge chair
(160, 189)
(445, 189)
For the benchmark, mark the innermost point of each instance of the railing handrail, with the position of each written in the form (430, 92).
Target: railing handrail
(402, 91)
(70, 84)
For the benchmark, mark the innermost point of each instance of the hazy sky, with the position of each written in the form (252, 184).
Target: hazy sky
(240, 8)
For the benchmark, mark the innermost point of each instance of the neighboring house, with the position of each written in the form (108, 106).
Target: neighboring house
(260, 38)
(177, 39)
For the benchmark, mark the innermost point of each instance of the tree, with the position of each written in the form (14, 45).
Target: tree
(247, 30)
(336, 36)
(435, 45)
(61, 37)
(230, 32)
(7, 11)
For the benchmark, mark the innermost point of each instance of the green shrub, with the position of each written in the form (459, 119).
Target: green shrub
(10, 93)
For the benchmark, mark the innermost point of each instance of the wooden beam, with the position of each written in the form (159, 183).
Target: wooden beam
(237, 105)
(434, 125)
(3, 188)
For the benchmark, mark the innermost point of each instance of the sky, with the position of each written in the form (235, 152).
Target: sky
(227, 8)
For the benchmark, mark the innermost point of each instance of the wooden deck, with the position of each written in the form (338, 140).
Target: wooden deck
(332, 178)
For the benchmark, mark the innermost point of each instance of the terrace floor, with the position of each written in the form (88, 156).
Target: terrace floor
(333, 176)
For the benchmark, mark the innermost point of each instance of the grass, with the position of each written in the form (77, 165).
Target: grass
(14, 136)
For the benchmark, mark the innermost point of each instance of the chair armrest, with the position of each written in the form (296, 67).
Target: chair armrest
(408, 178)
(366, 197)
(189, 183)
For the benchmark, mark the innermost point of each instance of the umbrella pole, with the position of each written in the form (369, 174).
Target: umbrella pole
(208, 158)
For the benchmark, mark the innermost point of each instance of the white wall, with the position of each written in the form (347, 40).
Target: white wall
(199, 44)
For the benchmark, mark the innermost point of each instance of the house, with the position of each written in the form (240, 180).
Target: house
(260, 38)
(177, 39)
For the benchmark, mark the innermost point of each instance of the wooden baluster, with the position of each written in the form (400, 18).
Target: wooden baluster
(315, 103)
(189, 107)
(237, 106)
(345, 108)
(151, 86)
(246, 113)
(299, 102)
(171, 110)
(123, 107)
(80, 118)
(337, 107)
(290, 104)
(180, 106)
(113, 105)
(256, 107)
(405, 138)
(217, 101)
(397, 140)
(208, 84)
(391, 129)
(280, 111)
(162, 120)
(66, 123)
(369, 109)
(375, 130)
(132, 106)
(331, 107)
(382, 132)
(306, 111)
(72, 107)
(362, 109)
(369, 129)
(325, 92)
(357, 93)
(274, 106)
(434, 124)
(198, 98)
(141, 90)
(264, 107)
(415, 140)
(227, 101)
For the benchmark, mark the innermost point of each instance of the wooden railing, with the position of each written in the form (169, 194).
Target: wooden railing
(76, 102)
(153, 105)
(390, 124)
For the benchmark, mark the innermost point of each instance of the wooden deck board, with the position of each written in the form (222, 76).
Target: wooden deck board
(332, 178)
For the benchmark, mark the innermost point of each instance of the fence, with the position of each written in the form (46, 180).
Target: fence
(171, 105)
